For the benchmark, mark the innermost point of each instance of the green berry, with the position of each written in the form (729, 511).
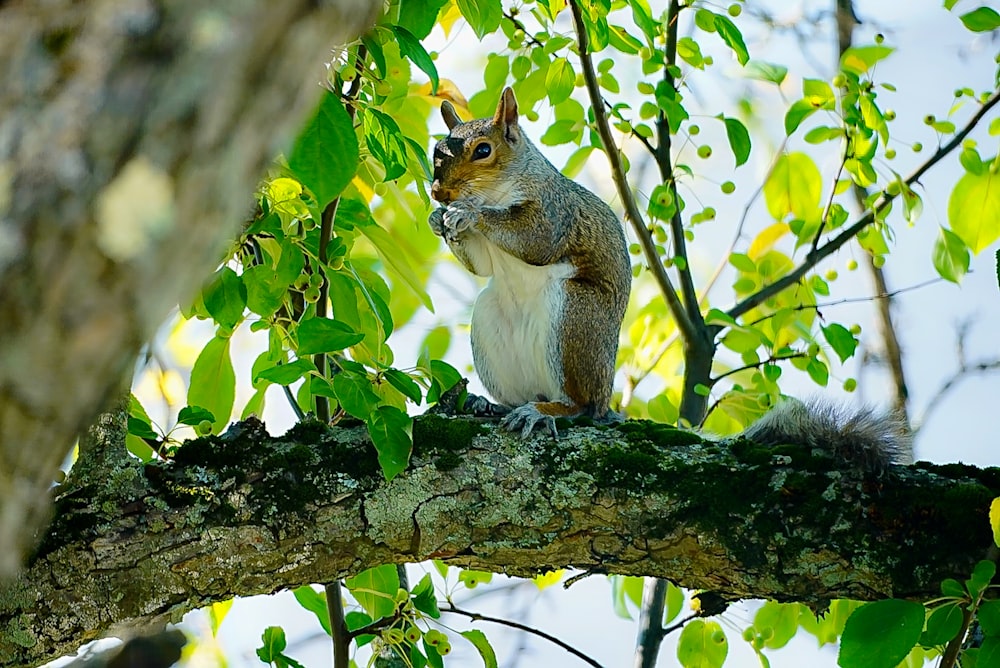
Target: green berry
(813, 349)
(728, 187)
(890, 114)
(855, 329)
(719, 638)
(301, 282)
(878, 261)
(929, 119)
(709, 213)
(879, 38)
(336, 262)
(205, 427)
(402, 595)
(831, 274)
(315, 280)
(444, 648)
(852, 265)
(917, 147)
(850, 385)
(839, 81)
(704, 151)
(412, 634)
(890, 153)
(748, 633)
(531, 115)
(393, 636)
(735, 10)
(694, 130)
(311, 295)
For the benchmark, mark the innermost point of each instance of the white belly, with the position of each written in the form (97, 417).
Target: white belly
(514, 323)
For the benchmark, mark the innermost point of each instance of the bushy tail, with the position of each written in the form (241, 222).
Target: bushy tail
(864, 437)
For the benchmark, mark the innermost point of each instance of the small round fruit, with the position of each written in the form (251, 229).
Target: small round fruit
(301, 282)
(839, 81)
(336, 262)
(929, 119)
(315, 280)
(917, 147)
(889, 115)
(704, 151)
(748, 633)
(855, 329)
(444, 648)
(433, 637)
(813, 349)
(878, 261)
(205, 427)
(850, 385)
(383, 88)
(890, 153)
(531, 115)
(852, 265)
(402, 595)
(709, 213)
(311, 295)
(879, 38)
(393, 636)
(735, 10)
(719, 638)
(412, 634)
(831, 274)
(694, 130)
(728, 187)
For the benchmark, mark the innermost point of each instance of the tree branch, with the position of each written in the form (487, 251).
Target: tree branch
(246, 514)
(653, 261)
(827, 249)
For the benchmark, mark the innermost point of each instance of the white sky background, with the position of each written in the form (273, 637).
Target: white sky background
(935, 55)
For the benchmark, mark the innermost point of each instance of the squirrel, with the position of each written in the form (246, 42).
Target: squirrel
(545, 328)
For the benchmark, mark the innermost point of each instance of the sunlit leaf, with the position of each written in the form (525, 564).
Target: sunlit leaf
(880, 634)
(702, 644)
(213, 382)
(390, 430)
(793, 187)
(981, 19)
(315, 602)
(323, 335)
(950, 256)
(375, 590)
(325, 155)
(974, 209)
(483, 646)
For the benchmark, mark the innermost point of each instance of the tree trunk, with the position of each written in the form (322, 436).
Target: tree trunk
(247, 514)
(132, 135)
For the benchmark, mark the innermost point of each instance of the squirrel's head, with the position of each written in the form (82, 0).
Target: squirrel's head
(474, 159)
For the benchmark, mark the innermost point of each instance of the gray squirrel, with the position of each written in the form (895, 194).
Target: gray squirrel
(545, 329)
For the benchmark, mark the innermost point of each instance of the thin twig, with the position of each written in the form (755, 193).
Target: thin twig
(677, 310)
(829, 201)
(770, 360)
(475, 616)
(827, 249)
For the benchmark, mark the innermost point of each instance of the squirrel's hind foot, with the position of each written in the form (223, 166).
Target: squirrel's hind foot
(526, 417)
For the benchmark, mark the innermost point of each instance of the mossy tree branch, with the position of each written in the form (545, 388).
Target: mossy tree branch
(246, 514)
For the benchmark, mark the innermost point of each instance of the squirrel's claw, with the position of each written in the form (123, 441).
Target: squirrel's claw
(525, 418)
(458, 217)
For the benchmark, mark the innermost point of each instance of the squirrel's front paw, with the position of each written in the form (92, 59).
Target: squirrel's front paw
(525, 418)
(436, 221)
(458, 217)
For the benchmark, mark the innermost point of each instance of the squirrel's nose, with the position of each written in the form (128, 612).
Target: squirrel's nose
(437, 192)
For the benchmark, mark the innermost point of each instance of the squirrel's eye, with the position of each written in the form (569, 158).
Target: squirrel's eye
(481, 151)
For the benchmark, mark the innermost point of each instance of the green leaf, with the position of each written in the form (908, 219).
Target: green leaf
(213, 382)
(799, 111)
(482, 644)
(411, 47)
(274, 644)
(989, 654)
(950, 256)
(982, 575)
(265, 291)
(818, 371)
(739, 139)
(860, 59)
(881, 634)
(560, 80)
(355, 394)
(732, 36)
(322, 335)
(444, 378)
(995, 516)
(974, 209)
(988, 615)
(192, 415)
(404, 384)
(483, 15)
(141, 429)
(315, 602)
(781, 620)
(419, 16)
(702, 644)
(982, 19)
(794, 186)
(286, 374)
(823, 133)
(841, 340)
(674, 602)
(385, 141)
(325, 155)
(390, 430)
(225, 298)
(764, 71)
(389, 252)
(424, 599)
(943, 624)
(472, 578)
(375, 590)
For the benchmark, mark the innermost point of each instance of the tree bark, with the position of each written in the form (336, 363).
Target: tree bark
(245, 514)
(132, 135)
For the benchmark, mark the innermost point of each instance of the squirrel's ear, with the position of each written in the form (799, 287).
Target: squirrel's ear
(449, 114)
(506, 116)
